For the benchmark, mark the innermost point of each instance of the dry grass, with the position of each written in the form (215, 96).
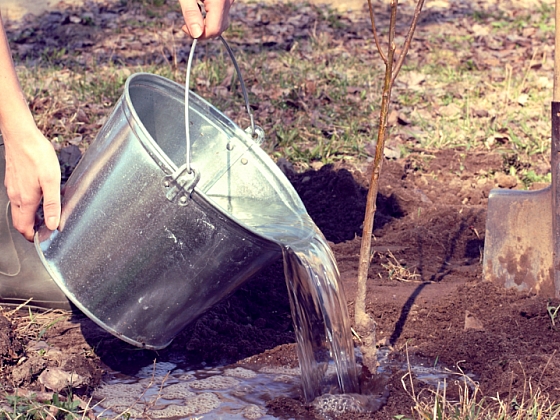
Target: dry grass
(34, 324)
(27, 405)
(472, 404)
(397, 271)
(21, 404)
(317, 99)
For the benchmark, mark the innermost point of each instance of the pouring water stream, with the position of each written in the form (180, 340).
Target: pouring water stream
(318, 303)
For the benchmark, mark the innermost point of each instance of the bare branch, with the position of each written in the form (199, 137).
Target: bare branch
(364, 323)
(408, 38)
(375, 37)
(393, 23)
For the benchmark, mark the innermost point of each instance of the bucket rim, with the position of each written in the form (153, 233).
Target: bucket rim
(155, 81)
(225, 124)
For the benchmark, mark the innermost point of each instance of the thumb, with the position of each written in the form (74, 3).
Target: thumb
(194, 22)
(51, 205)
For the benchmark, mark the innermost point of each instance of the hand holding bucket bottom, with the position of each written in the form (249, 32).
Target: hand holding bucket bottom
(32, 171)
(215, 21)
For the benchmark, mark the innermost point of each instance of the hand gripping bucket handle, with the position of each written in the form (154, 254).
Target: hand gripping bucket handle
(257, 133)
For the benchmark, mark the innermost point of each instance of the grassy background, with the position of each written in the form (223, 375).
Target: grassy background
(476, 78)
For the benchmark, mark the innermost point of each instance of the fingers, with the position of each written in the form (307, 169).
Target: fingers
(215, 22)
(217, 17)
(25, 197)
(24, 210)
(23, 216)
(32, 172)
(194, 22)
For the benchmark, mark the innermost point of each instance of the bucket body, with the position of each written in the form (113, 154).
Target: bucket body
(143, 249)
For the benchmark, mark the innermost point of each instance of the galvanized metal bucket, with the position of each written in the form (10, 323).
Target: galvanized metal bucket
(148, 243)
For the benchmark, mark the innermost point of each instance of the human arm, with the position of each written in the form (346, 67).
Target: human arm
(215, 22)
(32, 168)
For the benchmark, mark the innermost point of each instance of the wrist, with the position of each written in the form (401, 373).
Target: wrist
(15, 115)
(18, 125)
(23, 137)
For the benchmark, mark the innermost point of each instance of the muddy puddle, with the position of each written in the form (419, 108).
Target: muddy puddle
(170, 390)
(166, 390)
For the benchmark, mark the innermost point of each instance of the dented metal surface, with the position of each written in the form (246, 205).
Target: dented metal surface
(522, 244)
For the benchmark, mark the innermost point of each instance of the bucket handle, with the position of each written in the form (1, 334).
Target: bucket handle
(256, 132)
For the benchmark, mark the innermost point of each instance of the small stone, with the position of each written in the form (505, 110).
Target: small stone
(481, 113)
(522, 99)
(253, 412)
(472, 323)
(384, 342)
(317, 165)
(57, 379)
(505, 181)
(285, 166)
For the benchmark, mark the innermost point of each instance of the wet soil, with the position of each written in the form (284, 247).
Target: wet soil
(426, 290)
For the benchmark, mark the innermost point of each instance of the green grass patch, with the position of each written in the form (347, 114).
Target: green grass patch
(317, 91)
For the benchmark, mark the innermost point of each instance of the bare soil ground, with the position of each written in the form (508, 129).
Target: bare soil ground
(426, 293)
(422, 223)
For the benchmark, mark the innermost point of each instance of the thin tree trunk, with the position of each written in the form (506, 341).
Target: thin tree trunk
(363, 322)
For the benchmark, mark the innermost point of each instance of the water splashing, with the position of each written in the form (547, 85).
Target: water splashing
(318, 306)
(320, 317)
